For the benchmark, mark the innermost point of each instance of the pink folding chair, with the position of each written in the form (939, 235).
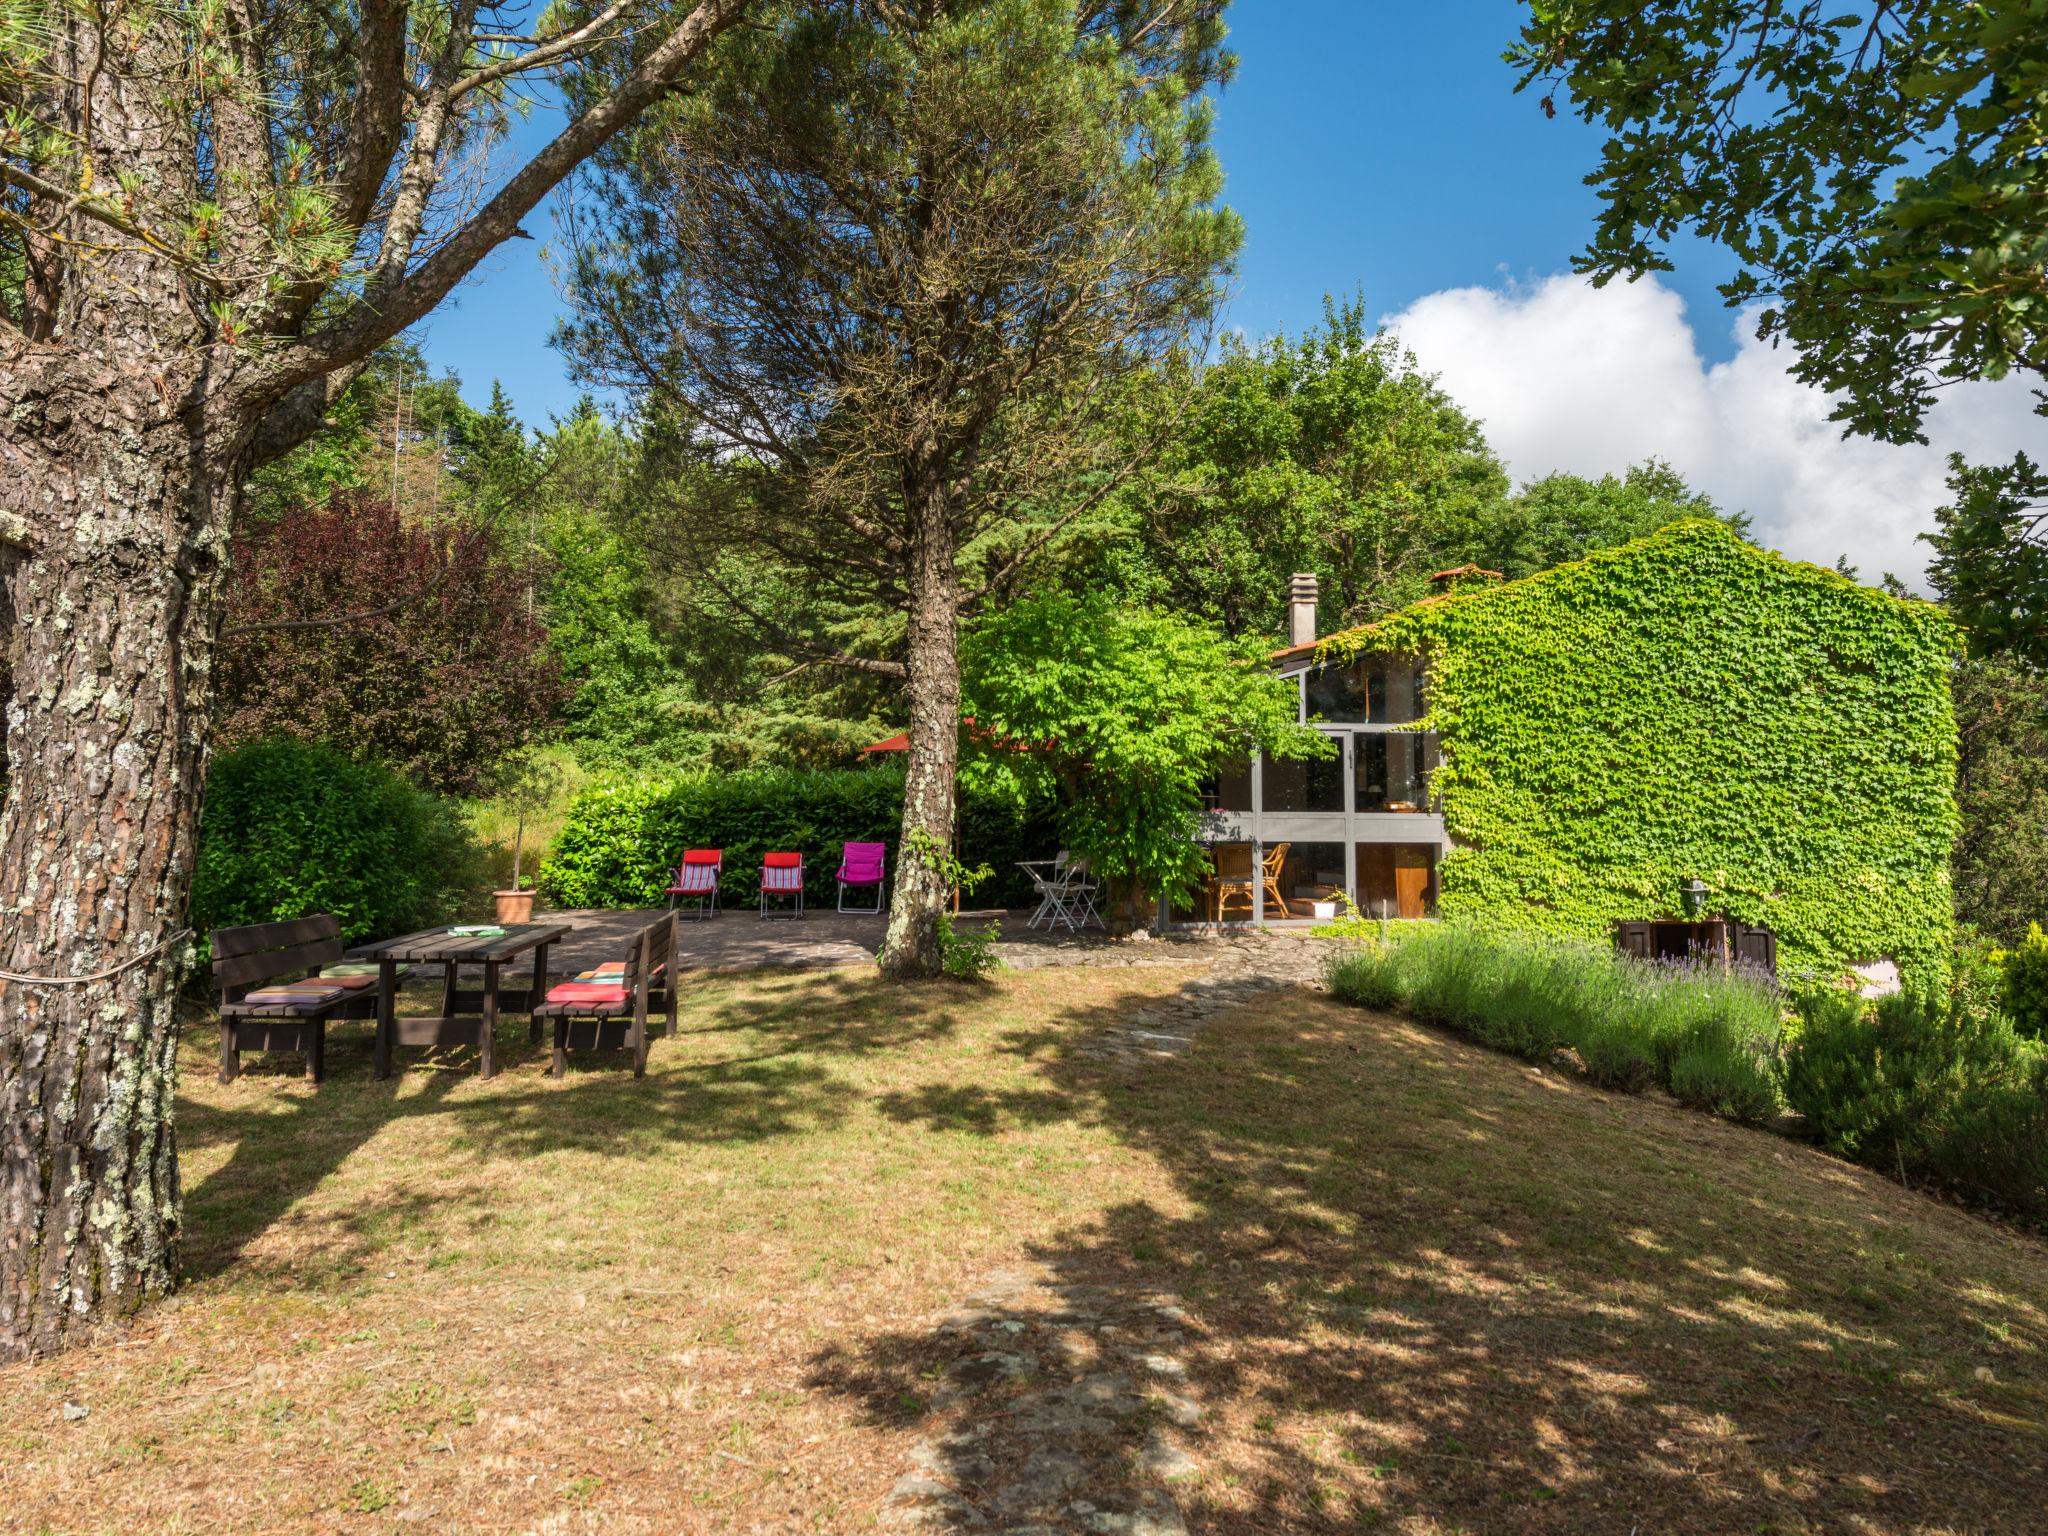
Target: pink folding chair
(860, 867)
(697, 877)
(782, 875)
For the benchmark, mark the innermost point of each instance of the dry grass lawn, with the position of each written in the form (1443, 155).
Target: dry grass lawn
(1429, 1289)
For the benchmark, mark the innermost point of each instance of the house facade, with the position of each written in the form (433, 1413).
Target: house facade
(1364, 821)
(1682, 721)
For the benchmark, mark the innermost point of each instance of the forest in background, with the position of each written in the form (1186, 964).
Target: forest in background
(499, 611)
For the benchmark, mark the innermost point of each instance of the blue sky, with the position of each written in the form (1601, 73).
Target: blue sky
(1380, 149)
(1372, 148)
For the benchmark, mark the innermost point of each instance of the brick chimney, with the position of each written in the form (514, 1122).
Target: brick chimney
(1301, 609)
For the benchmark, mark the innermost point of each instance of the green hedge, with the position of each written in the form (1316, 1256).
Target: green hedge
(293, 827)
(1689, 706)
(1920, 1087)
(624, 837)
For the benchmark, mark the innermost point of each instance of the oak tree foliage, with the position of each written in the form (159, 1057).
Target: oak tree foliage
(1876, 168)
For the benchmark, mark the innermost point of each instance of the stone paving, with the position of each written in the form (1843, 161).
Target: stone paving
(1066, 1408)
(744, 941)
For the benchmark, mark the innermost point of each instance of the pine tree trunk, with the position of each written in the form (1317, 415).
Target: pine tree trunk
(910, 950)
(115, 606)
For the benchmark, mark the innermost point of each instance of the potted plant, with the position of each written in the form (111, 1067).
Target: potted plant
(528, 783)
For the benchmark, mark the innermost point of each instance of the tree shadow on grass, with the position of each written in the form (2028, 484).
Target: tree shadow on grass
(1427, 1287)
(783, 1081)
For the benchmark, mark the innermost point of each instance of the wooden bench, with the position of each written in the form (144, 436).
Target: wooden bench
(245, 959)
(595, 1012)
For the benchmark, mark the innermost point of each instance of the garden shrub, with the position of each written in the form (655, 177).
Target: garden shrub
(443, 686)
(1919, 1086)
(294, 827)
(623, 838)
(1707, 1035)
(2023, 983)
(968, 954)
(1690, 706)
(1994, 1146)
(1365, 978)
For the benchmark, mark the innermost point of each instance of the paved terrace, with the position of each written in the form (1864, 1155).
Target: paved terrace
(742, 940)
(1224, 970)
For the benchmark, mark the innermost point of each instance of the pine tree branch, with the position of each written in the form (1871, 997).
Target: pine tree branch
(383, 313)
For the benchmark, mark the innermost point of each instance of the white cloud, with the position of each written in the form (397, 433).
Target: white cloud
(1571, 377)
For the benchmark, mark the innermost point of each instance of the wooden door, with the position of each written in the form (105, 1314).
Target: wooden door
(1412, 867)
(1376, 894)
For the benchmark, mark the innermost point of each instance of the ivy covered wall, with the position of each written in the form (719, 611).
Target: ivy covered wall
(1688, 705)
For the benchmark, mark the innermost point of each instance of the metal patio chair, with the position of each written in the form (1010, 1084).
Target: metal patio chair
(697, 877)
(782, 876)
(861, 866)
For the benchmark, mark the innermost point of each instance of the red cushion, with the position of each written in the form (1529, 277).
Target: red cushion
(592, 992)
(781, 860)
(705, 856)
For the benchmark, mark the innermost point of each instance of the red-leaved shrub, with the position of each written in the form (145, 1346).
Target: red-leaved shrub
(439, 670)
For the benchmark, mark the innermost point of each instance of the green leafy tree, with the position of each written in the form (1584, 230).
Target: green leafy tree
(1992, 572)
(1122, 713)
(1329, 452)
(1875, 169)
(1991, 556)
(403, 431)
(631, 707)
(1561, 517)
(2000, 867)
(1332, 452)
(904, 258)
(215, 212)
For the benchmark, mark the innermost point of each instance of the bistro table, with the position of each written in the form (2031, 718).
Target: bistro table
(450, 951)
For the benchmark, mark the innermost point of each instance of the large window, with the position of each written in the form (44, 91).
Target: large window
(1230, 789)
(1338, 694)
(1396, 879)
(1375, 690)
(1317, 785)
(1390, 770)
(1310, 876)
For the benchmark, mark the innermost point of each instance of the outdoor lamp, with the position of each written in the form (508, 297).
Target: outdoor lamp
(1695, 893)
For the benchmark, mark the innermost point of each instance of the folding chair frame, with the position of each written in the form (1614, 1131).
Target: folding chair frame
(796, 909)
(881, 886)
(707, 904)
(1066, 895)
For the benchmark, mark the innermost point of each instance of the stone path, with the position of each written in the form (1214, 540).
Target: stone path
(741, 940)
(1241, 969)
(1066, 1408)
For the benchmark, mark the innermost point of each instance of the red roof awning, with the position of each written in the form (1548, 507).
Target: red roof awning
(900, 742)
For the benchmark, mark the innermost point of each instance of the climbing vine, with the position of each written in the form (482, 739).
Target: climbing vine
(1688, 706)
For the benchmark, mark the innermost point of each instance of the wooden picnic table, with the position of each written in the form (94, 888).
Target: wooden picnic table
(451, 951)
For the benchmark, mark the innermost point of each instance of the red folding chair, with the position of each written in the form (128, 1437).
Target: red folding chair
(782, 876)
(697, 877)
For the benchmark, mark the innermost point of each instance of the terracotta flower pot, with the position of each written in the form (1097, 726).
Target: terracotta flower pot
(514, 907)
